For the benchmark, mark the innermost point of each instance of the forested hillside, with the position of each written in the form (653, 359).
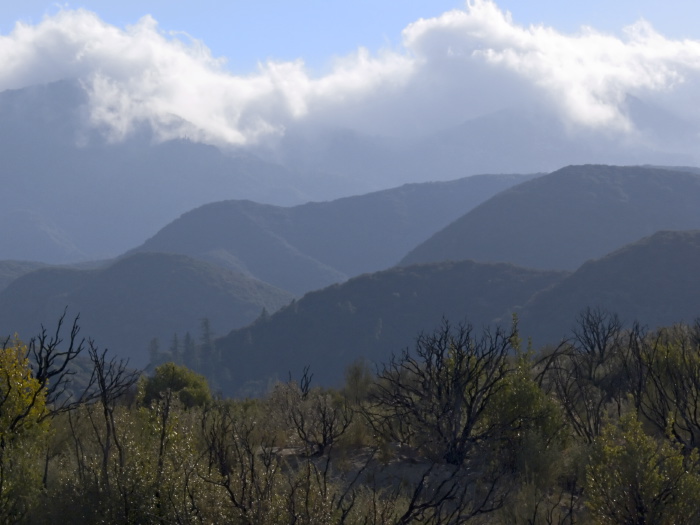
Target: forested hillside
(137, 299)
(653, 280)
(368, 317)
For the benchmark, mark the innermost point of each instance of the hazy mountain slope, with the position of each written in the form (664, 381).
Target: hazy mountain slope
(108, 196)
(126, 304)
(313, 245)
(654, 281)
(241, 235)
(562, 219)
(371, 232)
(98, 192)
(31, 236)
(513, 140)
(11, 270)
(371, 316)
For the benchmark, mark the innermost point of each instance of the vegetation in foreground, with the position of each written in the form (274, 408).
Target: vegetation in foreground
(465, 427)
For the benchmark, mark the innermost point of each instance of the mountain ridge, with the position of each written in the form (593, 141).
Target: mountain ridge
(560, 220)
(371, 316)
(313, 245)
(651, 281)
(126, 304)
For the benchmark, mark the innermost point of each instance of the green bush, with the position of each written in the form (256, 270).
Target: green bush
(191, 388)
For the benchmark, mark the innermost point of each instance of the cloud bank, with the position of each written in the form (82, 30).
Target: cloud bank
(462, 64)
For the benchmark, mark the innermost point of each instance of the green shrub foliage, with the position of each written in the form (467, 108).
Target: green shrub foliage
(466, 427)
(189, 387)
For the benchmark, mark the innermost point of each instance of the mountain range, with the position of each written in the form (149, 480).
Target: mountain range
(78, 194)
(81, 192)
(238, 262)
(259, 255)
(313, 245)
(653, 281)
(232, 235)
(510, 140)
(369, 317)
(560, 220)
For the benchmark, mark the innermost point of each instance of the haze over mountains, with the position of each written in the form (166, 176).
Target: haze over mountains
(76, 196)
(11, 270)
(509, 140)
(227, 261)
(310, 246)
(79, 195)
(487, 158)
(259, 255)
(369, 317)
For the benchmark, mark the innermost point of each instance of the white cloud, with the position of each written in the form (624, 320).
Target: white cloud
(588, 74)
(459, 65)
(141, 74)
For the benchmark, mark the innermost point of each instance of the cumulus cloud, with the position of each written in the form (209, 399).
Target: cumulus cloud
(461, 64)
(141, 74)
(588, 74)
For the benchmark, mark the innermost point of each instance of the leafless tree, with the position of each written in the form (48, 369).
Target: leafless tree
(239, 461)
(318, 417)
(111, 378)
(670, 399)
(587, 373)
(435, 398)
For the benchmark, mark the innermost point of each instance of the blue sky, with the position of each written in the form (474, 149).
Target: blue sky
(248, 31)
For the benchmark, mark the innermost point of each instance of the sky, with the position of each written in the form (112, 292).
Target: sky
(247, 32)
(237, 72)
